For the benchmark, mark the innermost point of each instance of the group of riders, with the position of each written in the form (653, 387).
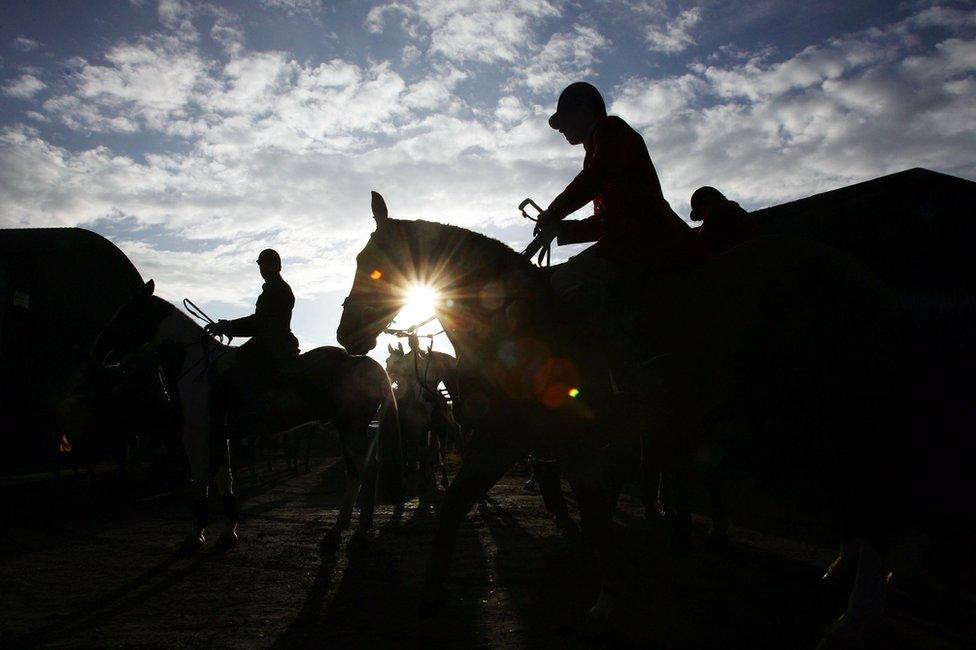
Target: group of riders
(633, 227)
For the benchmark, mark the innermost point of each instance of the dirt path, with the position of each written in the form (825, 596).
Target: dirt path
(80, 568)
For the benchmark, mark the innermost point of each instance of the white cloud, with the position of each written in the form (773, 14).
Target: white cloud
(851, 109)
(294, 7)
(487, 31)
(566, 57)
(24, 87)
(675, 35)
(25, 44)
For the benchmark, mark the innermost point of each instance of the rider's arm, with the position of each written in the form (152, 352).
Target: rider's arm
(582, 231)
(272, 305)
(616, 150)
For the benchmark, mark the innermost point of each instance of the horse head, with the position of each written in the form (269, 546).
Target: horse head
(395, 361)
(379, 287)
(131, 328)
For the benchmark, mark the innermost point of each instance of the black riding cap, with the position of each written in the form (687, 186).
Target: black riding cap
(575, 94)
(269, 255)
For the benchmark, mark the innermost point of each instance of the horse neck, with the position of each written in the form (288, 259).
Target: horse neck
(498, 297)
(176, 327)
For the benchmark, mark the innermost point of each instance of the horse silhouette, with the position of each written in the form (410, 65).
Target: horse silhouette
(426, 418)
(776, 325)
(325, 384)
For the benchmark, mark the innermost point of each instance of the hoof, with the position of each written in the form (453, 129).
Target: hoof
(227, 539)
(193, 543)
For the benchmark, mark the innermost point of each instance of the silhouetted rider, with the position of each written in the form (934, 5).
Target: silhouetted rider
(269, 326)
(634, 228)
(724, 223)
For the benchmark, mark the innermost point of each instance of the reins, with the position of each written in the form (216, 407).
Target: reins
(542, 243)
(204, 341)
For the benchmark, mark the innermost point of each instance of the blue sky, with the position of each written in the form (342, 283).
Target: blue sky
(195, 134)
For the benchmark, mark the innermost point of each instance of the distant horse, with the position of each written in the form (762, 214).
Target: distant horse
(779, 325)
(325, 384)
(426, 419)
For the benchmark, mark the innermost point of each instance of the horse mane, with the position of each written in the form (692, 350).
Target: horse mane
(488, 246)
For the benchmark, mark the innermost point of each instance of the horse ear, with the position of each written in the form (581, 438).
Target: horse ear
(380, 212)
(400, 347)
(149, 288)
(389, 346)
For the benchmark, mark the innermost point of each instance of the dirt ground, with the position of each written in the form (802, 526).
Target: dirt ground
(84, 566)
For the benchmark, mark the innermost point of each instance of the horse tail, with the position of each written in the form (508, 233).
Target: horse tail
(392, 488)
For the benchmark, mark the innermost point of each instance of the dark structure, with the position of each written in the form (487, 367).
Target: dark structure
(917, 228)
(58, 288)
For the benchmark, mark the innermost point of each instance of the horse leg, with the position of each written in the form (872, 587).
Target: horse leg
(354, 472)
(370, 467)
(597, 497)
(195, 441)
(225, 484)
(441, 441)
(487, 460)
(550, 486)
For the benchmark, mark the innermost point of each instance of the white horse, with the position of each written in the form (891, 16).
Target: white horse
(325, 384)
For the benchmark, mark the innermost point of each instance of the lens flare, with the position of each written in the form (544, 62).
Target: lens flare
(419, 304)
(573, 392)
(376, 274)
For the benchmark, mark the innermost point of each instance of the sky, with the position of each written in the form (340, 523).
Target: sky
(195, 134)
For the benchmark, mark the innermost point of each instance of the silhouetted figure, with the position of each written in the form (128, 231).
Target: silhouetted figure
(271, 343)
(270, 325)
(632, 224)
(724, 223)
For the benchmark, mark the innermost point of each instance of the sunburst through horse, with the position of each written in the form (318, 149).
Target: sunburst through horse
(325, 384)
(775, 325)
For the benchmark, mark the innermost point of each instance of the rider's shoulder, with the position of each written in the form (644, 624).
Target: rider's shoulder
(614, 126)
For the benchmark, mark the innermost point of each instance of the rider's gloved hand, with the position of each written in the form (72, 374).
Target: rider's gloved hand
(543, 222)
(216, 329)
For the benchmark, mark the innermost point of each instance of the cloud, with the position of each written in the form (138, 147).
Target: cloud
(460, 31)
(25, 44)
(294, 7)
(24, 87)
(566, 57)
(675, 35)
(849, 109)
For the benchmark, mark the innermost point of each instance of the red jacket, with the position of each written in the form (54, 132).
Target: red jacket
(631, 221)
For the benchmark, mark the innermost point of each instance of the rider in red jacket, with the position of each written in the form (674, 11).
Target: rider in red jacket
(632, 224)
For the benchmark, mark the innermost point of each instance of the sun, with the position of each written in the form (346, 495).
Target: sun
(419, 305)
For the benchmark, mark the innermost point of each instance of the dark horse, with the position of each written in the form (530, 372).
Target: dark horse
(325, 384)
(426, 419)
(773, 322)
